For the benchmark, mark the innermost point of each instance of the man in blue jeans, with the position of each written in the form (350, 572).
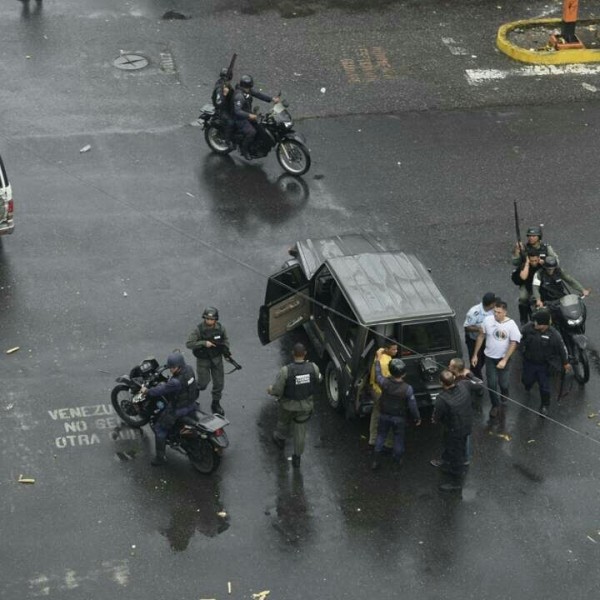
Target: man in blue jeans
(501, 335)
(396, 398)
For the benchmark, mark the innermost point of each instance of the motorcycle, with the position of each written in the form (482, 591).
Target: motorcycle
(199, 436)
(275, 130)
(569, 315)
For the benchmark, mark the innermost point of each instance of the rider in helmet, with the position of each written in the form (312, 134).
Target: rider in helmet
(222, 99)
(179, 393)
(552, 283)
(209, 343)
(396, 397)
(523, 274)
(534, 240)
(242, 111)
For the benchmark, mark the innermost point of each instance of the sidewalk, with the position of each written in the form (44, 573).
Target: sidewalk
(529, 41)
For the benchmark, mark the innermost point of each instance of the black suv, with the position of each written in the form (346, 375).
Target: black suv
(350, 294)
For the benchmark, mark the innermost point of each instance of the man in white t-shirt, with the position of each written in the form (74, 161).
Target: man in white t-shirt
(501, 335)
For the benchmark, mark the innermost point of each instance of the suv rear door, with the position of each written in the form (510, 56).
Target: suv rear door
(287, 304)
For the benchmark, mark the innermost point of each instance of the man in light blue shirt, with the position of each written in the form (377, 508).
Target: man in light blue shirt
(472, 325)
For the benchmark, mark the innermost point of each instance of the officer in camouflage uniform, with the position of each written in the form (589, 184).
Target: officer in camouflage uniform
(295, 386)
(520, 260)
(210, 344)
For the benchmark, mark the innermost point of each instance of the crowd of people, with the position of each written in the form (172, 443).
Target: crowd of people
(492, 338)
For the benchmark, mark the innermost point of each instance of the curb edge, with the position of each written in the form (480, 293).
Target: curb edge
(555, 57)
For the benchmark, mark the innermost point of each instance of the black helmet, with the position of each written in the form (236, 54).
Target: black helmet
(550, 262)
(246, 81)
(224, 73)
(535, 230)
(175, 359)
(397, 367)
(210, 312)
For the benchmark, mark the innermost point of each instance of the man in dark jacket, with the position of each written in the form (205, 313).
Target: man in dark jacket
(242, 111)
(453, 409)
(295, 386)
(210, 344)
(544, 352)
(179, 395)
(397, 398)
(222, 99)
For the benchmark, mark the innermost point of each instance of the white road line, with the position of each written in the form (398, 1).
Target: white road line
(480, 76)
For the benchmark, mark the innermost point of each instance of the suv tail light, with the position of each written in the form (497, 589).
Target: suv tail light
(10, 209)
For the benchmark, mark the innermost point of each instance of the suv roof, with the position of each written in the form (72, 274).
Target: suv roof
(313, 253)
(388, 286)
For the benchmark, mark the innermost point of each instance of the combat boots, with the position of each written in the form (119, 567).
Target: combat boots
(523, 314)
(216, 408)
(161, 456)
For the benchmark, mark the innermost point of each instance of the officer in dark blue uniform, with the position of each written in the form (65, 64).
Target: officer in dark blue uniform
(242, 111)
(543, 352)
(222, 99)
(179, 394)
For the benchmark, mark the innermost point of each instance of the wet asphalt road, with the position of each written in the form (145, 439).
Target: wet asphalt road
(117, 250)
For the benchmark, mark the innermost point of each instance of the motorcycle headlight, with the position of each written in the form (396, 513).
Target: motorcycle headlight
(573, 322)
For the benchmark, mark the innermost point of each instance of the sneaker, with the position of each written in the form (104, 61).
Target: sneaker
(436, 462)
(295, 461)
(278, 442)
(544, 410)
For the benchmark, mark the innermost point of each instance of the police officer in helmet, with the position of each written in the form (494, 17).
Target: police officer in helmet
(552, 283)
(534, 240)
(179, 393)
(397, 398)
(295, 386)
(222, 99)
(210, 344)
(245, 119)
(526, 266)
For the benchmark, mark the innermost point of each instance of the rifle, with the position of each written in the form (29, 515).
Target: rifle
(518, 231)
(236, 365)
(230, 68)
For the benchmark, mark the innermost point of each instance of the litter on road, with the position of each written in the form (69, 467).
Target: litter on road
(86, 148)
(25, 479)
(11, 350)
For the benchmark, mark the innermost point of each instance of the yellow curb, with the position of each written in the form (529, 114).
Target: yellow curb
(544, 57)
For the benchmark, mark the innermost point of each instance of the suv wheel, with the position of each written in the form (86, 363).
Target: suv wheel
(332, 387)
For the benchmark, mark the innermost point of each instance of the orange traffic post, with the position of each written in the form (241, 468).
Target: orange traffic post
(569, 21)
(567, 38)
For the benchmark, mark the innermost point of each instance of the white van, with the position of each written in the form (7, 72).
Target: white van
(7, 224)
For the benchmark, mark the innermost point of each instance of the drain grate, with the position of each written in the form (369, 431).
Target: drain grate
(130, 62)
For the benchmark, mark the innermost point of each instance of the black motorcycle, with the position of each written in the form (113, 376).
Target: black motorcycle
(274, 130)
(569, 315)
(199, 436)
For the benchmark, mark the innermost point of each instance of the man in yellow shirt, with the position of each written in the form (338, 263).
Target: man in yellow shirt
(390, 349)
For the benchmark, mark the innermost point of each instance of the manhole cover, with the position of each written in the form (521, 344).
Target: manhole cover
(130, 62)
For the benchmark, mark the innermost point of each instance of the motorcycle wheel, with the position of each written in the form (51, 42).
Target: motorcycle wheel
(121, 401)
(202, 456)
(581, 366)
(293, 157)
(215, 140)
